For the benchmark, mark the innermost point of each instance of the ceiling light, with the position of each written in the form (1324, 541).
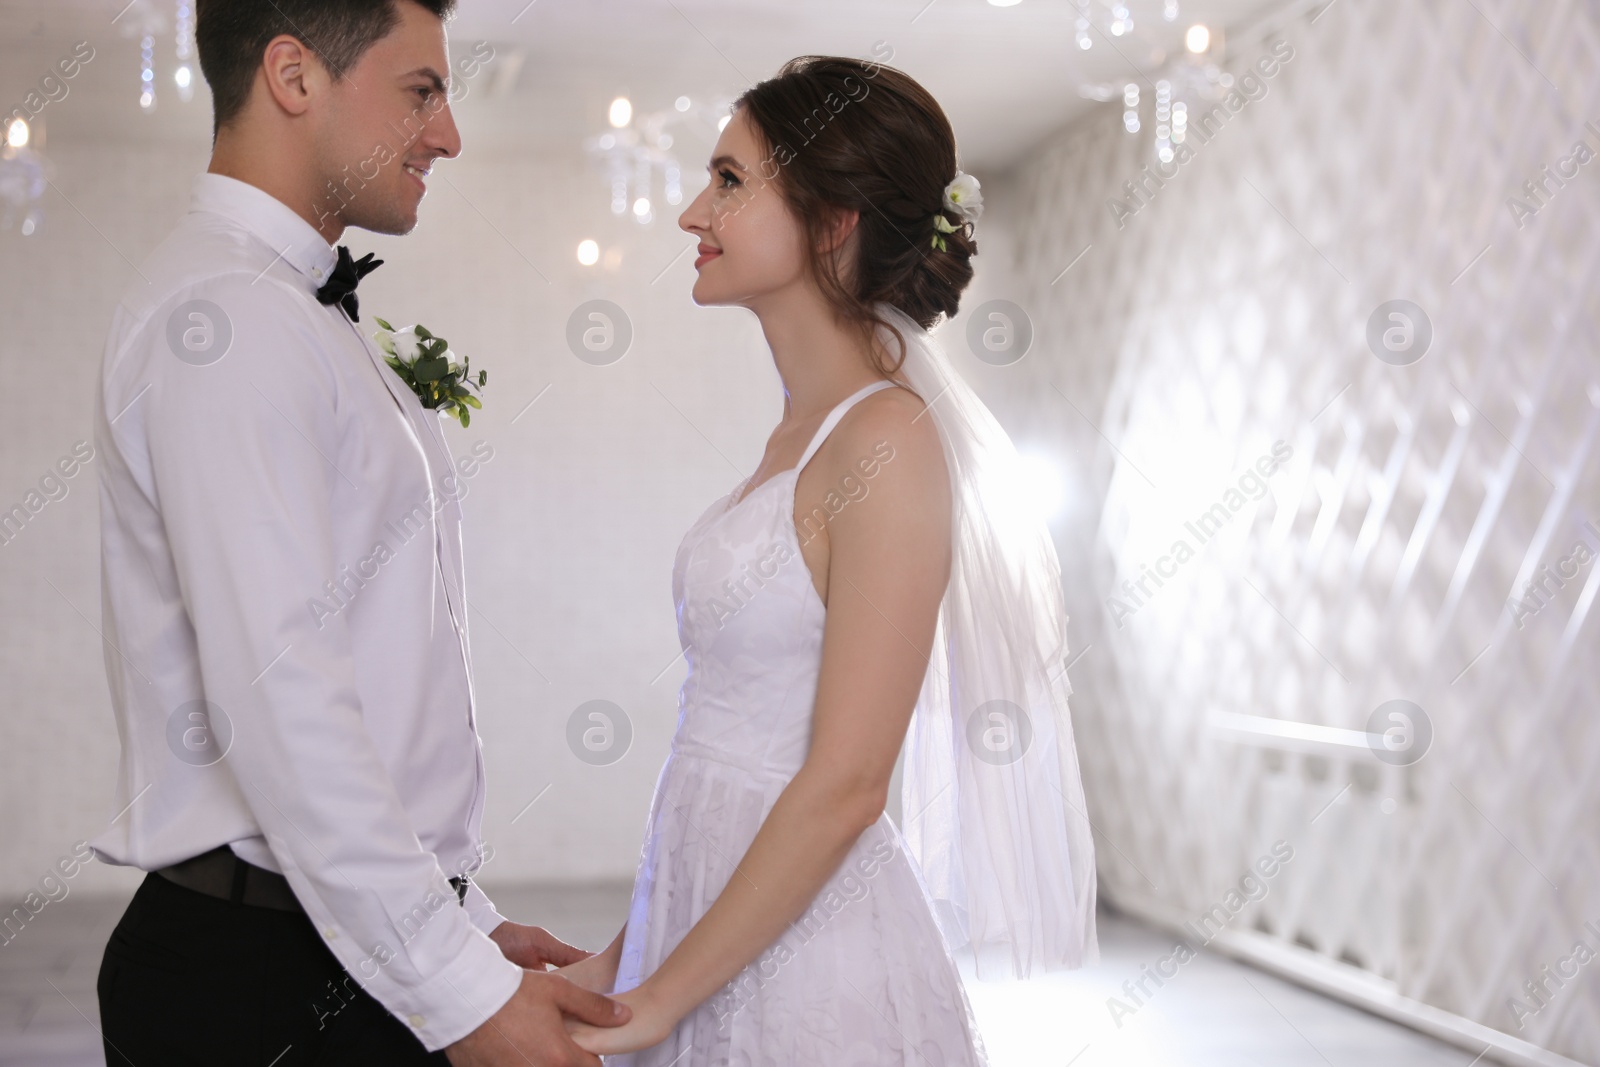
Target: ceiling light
(588, 253)
(1198, 39)
(621, 112)
(17, 133)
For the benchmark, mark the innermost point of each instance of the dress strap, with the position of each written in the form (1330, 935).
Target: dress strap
(835, 415)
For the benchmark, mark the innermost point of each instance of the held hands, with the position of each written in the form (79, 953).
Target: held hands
(652, 1020)
(571, 1022)
(651, 1023)
(597, 973)
(528, 1029)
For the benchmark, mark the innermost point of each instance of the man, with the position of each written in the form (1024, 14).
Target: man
(285, 618)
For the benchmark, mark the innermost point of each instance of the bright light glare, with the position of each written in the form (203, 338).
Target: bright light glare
(722, 123)
(682, 103)
(1042, 485)
(621, 112)
(183, 76)
(1005, 3)
(1198, 39)
(17, 133)
(1031, 494)
(588, 253)
(641, 206)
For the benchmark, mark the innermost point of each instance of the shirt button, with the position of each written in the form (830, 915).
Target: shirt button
(417, 1021)
(331, 933)
(316, 272)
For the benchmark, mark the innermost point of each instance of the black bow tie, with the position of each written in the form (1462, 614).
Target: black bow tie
(340, 287)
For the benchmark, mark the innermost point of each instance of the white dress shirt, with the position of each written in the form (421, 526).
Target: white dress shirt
(281, 539)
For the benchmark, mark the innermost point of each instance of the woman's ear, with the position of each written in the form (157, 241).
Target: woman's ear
(840, 225)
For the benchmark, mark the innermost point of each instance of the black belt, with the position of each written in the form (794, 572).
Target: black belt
(221, 873)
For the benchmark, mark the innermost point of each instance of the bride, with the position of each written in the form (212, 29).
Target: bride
(880, 561)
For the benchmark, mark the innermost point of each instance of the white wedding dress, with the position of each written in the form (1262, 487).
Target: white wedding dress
(865, 978)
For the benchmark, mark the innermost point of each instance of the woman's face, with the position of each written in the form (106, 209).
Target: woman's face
(751, 244)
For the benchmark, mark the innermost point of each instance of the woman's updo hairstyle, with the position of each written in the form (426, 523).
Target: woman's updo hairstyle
(851, 134)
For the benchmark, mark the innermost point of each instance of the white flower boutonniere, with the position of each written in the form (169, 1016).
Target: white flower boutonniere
(425, 363)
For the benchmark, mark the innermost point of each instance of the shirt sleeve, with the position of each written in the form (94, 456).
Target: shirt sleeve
(245, 460)
(480, 909)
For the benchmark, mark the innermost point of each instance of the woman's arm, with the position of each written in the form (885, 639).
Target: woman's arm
(888, 565)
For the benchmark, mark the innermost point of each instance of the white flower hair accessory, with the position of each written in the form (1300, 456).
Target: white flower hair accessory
(963, 197)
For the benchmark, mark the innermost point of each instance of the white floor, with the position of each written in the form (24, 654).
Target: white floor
(1214, 1012)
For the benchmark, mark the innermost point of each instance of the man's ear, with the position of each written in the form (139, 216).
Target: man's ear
(293, 73)
(840, 225)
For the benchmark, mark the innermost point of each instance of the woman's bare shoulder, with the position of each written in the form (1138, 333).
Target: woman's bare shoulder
(890, 431)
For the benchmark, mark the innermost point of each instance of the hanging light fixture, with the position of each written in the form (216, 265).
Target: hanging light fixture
(636, 155)
(1112, 18)
(22, 176)
(147, 72)
(184, 75)
(1194, 75)
(149, 21)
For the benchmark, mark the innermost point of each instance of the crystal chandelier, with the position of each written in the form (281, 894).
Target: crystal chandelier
(22, 176)
(635, 156)
(1113, 18)
(147, 22)
(1194, 76)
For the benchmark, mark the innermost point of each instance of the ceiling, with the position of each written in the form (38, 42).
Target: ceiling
(1006, 76)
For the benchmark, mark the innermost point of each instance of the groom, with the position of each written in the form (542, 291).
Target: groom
(299, 783)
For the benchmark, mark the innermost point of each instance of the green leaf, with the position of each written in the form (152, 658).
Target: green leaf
(422, 332)
(472, 401)
(430, 369)
(466, 418)
(383, 324)
(483, 378)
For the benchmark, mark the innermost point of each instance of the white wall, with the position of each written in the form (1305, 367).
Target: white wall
(1230, 311)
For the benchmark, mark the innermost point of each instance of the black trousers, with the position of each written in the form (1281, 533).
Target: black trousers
(190, 980)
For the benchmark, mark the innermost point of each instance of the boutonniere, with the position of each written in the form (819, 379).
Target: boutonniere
(425, 363)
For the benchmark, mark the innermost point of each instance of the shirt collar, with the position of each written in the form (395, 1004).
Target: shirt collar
(295, 240)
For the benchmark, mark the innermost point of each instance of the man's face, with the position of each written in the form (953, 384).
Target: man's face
(389, 120)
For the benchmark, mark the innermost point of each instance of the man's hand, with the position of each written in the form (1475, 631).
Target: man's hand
(651, 1024)
(533, 947)
(529, 1030)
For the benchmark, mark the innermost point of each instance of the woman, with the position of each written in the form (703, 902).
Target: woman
(876, 562)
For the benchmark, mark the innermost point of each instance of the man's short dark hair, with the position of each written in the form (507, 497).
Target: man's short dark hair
(232, 36)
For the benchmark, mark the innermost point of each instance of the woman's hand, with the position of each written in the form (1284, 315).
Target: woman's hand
(597, 973)
(651, 1023)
